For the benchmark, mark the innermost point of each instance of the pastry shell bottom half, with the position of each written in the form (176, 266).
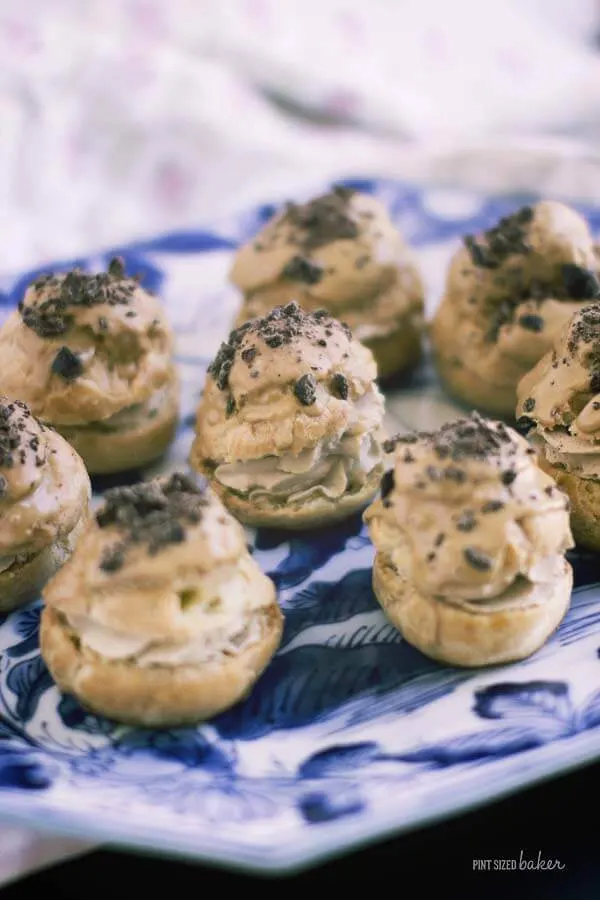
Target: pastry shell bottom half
(154, 696)
(106, 451)
(398, 352)
(301, 515)
(468, 634)
(584, 497)
(471, 391)
(22, 583)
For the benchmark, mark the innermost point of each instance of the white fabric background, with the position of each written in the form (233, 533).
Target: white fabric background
(120, 118)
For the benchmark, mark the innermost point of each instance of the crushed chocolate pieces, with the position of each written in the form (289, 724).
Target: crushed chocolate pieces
(524, 424)
(477, 559)
(116, 267)
(579, 283)
(321, 221)
(478, 255)
(585, 327)
(305, 390)
(503, 240)
(54, 315)
(67, 365)
(452, 473)
(281, 327)
(230, 407)
(430, 556)
(492, 506)
(299, 268)
(152, 513)
(112, 559)
(387, 483)
(439, 540)
(339, 386)
(595, 382)
(15, 419)
(249, 354)
(390, 444)
(529, 404)
(468, 438)
(531, 322)
(466, 521)
(508, 476)
(408, 457)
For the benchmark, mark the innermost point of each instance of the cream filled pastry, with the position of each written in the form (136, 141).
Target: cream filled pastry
(289, 426)
(44, 501)
(340, 252)
(470, 536)
(509, 292)
(161, 617)
(92, 356)
(559, 404)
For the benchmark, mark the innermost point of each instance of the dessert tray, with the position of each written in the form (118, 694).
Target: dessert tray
(351, 734)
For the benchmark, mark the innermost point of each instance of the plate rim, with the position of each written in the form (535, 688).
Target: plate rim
(299, 855)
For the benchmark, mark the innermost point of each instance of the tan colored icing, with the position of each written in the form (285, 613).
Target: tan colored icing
(124, 350)
(367, 276)
(494, 334)
(561, 395)
(44, 488)
(474, 522)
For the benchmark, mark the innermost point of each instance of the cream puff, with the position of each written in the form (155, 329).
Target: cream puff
(161, 617)
(44, 501)
(339, 252)
(470, 538)
(92, 356)
(509, 292)
(559, 405)
(289, 426)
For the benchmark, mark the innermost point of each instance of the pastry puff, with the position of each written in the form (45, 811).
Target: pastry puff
(161, 616)
(340, 252)
(470, 536)
(509, 292)
(289, 426)
(44, 502)
(559, 405)
(92, 356)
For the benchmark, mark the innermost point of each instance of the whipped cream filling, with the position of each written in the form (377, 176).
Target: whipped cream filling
(581, 457)
(329, 470)
(222, 606)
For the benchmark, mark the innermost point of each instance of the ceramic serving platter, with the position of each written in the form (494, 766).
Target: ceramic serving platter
(350, 734)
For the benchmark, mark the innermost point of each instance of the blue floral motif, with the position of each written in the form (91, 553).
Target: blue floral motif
(347, 709)
(186, 746)
(19, 771)
(75, 717)
(317, 807)
(27, 625)
(324, 603)
(309, 552)
(314, 683)
(28, 679)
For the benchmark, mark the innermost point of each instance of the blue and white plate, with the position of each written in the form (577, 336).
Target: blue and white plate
(351, 733)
